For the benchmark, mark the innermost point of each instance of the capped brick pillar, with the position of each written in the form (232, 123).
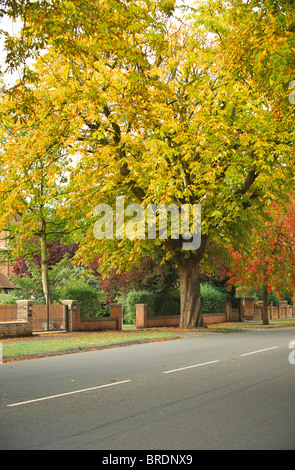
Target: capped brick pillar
(117, 312)
(279, 309)
(249, 308)
(228, 311)
(271, 310)
(285, 308)
(73, 313)
(141, 315)
(25, 313)
(24, 310)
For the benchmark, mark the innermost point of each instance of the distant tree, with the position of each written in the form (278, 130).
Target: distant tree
(33, 177)
(267, 260)
(150, 274)
(56, 252)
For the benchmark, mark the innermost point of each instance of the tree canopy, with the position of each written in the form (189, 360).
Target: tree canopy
(158, 109)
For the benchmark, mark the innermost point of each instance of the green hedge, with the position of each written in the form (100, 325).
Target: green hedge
(212, 299)
(158, 304)
(89, 298)
(273, 297)
(137, 297)
(167, 304)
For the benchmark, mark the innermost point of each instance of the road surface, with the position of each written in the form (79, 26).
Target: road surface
(214, 391)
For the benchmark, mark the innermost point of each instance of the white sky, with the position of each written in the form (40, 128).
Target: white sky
(11, 27)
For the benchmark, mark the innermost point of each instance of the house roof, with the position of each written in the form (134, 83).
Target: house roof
(4, 282)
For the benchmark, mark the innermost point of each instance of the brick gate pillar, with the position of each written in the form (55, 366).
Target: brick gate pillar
(73, 313)
(249, 308)
(117, 312)
(141, 315)
(25, 312)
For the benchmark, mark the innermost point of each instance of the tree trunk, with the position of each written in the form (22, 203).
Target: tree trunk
(265, 318)
(190, 298)
(44, 267)
(188, 269)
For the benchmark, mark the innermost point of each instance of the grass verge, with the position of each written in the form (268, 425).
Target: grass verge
(73, 341)
(42, 344)
(281, 323)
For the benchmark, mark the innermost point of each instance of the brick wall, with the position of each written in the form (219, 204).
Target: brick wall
(15, 329)
(91, 324)
(26, 317)
(22, 326)
(283, 310)
(214, 318)
(162, 321)
(143, 321)
(76, 323)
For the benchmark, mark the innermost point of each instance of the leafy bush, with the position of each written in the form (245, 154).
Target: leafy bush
(137, 297)
(287, 296)
(212, 299)
(7, 299)
(66, 282)
(167, 304)
(158, 303)
(89, 298)
(273, 297)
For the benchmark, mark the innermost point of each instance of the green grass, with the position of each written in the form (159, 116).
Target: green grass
(57, 342)
(281, 323)
(78, 340)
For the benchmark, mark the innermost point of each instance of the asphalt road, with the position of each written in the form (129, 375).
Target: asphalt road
(233, 391)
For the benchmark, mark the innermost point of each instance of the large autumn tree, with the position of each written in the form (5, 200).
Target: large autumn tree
(157, 116)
